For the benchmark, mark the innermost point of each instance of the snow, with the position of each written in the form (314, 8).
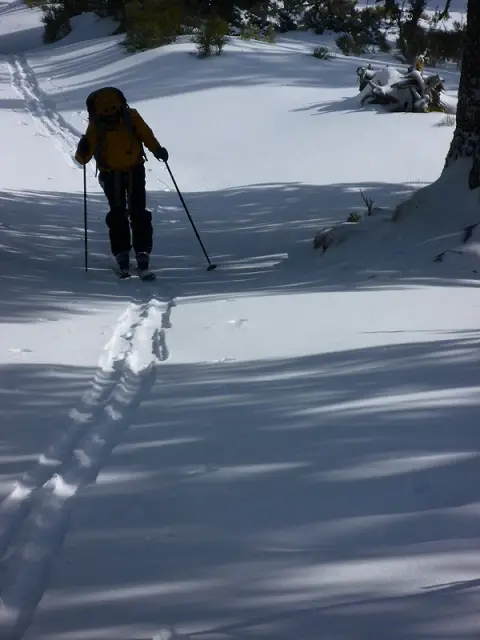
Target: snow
(286, 447)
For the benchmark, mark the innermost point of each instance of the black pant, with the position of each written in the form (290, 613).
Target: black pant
(126, 195)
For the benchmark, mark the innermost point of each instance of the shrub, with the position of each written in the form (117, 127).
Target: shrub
(269, 34)
(349, 46)
(151, 23)
(211, 37)
(250, 32)
(449, 120)
(322, 53)
(354, 217)
(253, 31)
(56, 22)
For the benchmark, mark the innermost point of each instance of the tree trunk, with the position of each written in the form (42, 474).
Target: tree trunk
(466, 139)
(411, 32)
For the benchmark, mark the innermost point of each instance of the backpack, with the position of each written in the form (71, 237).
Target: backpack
(100, 127)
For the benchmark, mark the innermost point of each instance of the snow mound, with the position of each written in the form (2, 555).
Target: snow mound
(338, 234)
(439, 223)
(88, 26)
(447, 200)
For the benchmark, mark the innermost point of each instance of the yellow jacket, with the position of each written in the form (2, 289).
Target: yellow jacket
(120, 149)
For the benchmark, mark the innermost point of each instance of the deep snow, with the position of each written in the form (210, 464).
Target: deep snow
(285, 447)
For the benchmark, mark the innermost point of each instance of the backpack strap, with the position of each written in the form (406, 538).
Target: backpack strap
(127, 118)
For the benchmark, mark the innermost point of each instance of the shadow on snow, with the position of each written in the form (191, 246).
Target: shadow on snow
(324, 496)
(260, 236)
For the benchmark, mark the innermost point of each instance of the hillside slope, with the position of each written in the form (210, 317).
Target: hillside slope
(285, 447)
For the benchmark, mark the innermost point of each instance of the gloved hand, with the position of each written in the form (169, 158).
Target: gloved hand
(161, 153)
(83, 148)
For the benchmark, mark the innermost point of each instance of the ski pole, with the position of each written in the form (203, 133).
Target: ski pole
(85, 213)
(211, 266)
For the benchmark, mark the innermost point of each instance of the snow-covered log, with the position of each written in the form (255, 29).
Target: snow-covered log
(413, 91)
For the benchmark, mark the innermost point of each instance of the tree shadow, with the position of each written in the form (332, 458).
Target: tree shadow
(348, 104)
(30, 38)
(12, 104)
(260, 236)
(34, 410)
(321, 496)
(42, 265)
(242, 64)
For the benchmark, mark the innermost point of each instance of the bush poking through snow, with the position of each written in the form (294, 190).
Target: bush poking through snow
(322, 53)
(449, 120)
(356, 223)
(211, 37)
(354, 217)
(269, 34)
(368, 203)
(338, 234)
(250, 32)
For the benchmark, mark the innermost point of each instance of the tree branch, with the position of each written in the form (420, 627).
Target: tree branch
(444, 13)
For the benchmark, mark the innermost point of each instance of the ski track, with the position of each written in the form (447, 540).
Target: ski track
(48, 121)
(34, 517)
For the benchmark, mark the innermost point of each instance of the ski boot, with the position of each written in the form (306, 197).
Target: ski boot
(143, 266)
(123, 264)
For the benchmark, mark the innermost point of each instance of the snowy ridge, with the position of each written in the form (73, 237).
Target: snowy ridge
(25, 84)
(37, 510)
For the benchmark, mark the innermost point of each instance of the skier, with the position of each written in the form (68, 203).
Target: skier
(115, 137)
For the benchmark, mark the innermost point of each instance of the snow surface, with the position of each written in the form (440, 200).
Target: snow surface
(286, 447)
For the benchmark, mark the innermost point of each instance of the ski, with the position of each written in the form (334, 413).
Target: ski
(123, 274)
